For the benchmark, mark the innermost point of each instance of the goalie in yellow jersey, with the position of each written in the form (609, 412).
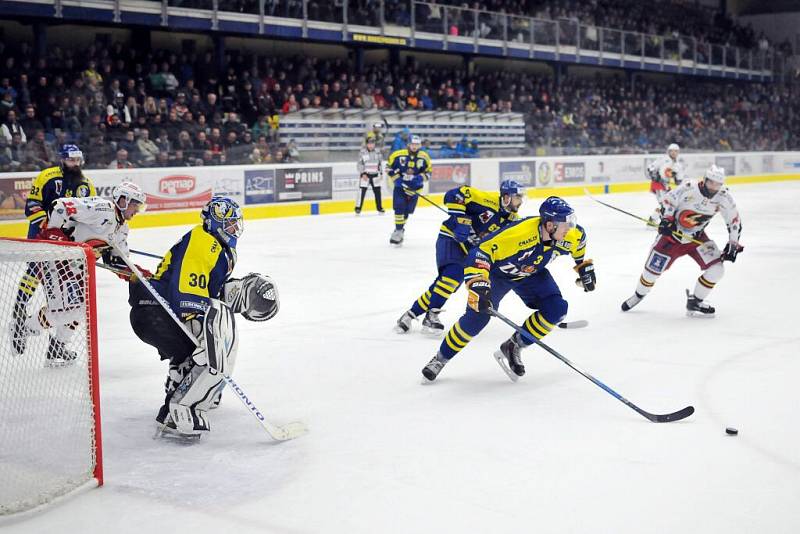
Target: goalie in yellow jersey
(515, 259)
(195, 275)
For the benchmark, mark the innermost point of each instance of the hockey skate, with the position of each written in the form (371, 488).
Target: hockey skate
(165, 427)
(397, 236)
(632, 301)
(431, 323)
(434, 367)
(58, 355)
(695, 307)
(509, 359)
(404, 322)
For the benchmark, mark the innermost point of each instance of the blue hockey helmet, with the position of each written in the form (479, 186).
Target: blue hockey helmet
(222, 218)
(514, 192)
(71, 152)
(557, 210)
(510, 187)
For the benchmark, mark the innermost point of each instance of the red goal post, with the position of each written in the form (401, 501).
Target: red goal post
(50, 436)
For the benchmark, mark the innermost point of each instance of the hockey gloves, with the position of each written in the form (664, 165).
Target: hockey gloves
(53, 234)
(587, 277)
(129, 276)
(730, 251)
(462, 230)
(667, 226)
(478, 297)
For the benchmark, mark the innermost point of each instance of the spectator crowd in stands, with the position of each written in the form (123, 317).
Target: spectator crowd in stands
(662, 18)
(127, 107)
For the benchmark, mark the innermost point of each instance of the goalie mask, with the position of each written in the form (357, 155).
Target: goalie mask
(222, 218)
(254, 296)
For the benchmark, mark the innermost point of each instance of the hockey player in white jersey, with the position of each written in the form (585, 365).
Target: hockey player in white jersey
(97, 222)
(661, 172)
(687, 211)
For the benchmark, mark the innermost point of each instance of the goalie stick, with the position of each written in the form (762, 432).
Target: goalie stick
(278, 433)
(656, 418)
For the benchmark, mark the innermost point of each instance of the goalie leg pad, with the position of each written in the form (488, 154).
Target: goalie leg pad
(192, 399)
(255, 296)
(220, 341)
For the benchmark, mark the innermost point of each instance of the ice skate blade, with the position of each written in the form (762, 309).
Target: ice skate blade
(432, 332)
(399, 330)
(699, 315)
(167, 432)
(501, 361)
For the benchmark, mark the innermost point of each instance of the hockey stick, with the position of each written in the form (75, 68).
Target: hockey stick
(426, 199)
(115, 270)
(278, 433)
(648, 222)
(571, 325)
(141, 253)
(656, 418)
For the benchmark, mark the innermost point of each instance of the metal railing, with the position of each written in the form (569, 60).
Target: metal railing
(465, 25)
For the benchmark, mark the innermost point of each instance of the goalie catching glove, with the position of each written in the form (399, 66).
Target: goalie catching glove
(254, 296)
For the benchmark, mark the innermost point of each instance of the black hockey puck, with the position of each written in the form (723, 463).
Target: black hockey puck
(731, 431)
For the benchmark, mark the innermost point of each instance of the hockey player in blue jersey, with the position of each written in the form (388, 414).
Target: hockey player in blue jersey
(474, 214)
(516, 259)
(65, 180)
(409, 168)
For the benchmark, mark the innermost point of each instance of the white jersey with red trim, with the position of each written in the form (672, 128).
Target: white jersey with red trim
(665, 170)
(693, 211)
(89, 218)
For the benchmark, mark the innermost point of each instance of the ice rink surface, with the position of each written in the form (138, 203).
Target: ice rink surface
(472, 452)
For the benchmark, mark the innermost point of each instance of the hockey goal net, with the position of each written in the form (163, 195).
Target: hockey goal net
(50, 441)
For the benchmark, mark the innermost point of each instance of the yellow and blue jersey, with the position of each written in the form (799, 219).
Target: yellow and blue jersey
(518, 251)
(475, 212)
(48, 187)
(409, 170)
(193, 271)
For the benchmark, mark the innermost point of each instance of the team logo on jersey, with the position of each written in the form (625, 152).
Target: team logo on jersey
(486, 216)
(82, 191)
(58, 184)
(692, 219)
(657, 262)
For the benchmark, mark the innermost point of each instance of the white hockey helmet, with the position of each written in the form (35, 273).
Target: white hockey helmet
(715, 174)
(673, 146)
(130, 191)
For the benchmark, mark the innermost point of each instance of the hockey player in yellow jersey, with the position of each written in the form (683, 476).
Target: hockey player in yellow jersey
(516, 259)
(409, 169)
(474, 214)
(60, 181)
